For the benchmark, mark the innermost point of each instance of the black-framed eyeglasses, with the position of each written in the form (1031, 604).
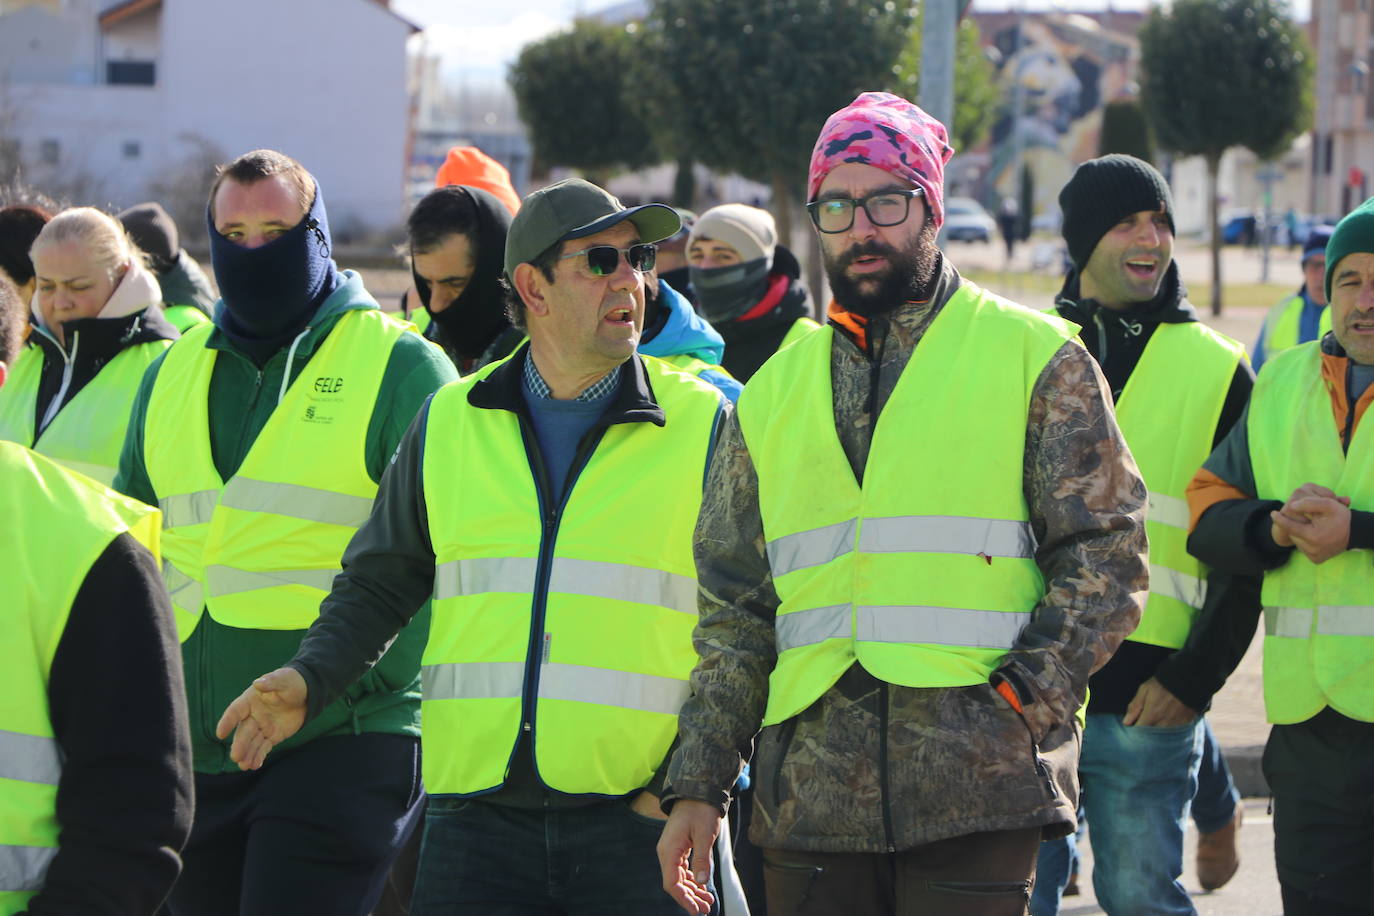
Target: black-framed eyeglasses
(886, 208)
(602, 260)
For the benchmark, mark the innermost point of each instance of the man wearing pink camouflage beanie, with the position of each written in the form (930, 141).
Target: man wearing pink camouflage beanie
(921, 532)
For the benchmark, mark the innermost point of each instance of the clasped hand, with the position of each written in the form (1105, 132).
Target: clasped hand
(1314, 520)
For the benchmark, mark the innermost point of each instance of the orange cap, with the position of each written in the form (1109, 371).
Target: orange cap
(468, 165)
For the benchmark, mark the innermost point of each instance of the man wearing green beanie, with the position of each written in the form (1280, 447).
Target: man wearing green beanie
(1290, 493)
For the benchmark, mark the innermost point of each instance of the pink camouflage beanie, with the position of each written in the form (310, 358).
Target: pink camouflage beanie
(888, 132)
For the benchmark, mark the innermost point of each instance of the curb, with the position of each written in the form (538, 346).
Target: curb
(1244, 763)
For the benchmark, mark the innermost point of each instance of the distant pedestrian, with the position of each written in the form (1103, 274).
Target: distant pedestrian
(1009, 221)
(1302, 316)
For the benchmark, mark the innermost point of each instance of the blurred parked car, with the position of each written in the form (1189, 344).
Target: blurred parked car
(967, 221)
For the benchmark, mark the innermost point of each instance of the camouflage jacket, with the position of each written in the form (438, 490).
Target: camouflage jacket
(871, 766)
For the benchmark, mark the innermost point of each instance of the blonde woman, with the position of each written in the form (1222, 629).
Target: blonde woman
(97, 325)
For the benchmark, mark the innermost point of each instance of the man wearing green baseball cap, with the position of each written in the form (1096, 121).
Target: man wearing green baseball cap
(546, 503)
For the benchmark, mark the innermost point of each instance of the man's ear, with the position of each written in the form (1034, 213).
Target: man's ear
(530, 285)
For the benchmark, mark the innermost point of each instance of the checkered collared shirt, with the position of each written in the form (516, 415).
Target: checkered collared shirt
(593, 392)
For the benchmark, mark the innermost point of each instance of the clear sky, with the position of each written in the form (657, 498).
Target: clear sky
(479, 38)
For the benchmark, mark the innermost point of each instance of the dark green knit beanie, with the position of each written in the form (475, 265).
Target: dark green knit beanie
(1103, 192)
(1354, 233)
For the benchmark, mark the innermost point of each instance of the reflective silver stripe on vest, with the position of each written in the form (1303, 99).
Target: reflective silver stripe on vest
(1345, 620)
(23, 868)
(1332, 620)
(607, 687)
(473, 680)
(188, 508)
(30, 758)
(1168, 510)
(487, 574)
(810, 548)
(572, 577)
(186, 592)
(814, 625)
(296, 501)
(941, 626)
(99, 472)
(990, 537)
(228, 580)
(1288, 622)
(901, 624)
(1171, 583)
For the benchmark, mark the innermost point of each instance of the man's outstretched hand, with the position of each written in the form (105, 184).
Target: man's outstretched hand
(684, 854)
(263, 716)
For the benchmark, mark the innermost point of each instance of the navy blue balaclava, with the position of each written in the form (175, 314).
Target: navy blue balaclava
(270, 293)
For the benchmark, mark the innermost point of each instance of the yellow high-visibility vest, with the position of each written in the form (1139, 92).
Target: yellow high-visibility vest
(925, 573)
(88, 432)
(598, 686)
(61, 523)
(1283, 324)
(800, 328)
(261, 550)
(693, 365)
(1318, 619)
(1168, 414)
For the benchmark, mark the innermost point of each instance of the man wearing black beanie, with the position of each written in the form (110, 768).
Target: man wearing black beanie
(1178, 387)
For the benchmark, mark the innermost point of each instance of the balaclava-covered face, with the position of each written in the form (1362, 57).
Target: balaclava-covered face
(270, 292)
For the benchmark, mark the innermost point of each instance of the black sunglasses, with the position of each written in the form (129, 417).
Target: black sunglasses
(602, 260)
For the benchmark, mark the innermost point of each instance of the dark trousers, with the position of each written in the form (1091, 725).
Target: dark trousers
(314, 832)
(982, 874)
(1322, 775)
(480, 859)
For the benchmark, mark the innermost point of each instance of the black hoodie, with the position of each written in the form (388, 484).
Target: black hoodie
(474, 329)
(1225, 624)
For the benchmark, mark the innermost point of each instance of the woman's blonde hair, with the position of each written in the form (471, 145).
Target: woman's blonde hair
(102, 235)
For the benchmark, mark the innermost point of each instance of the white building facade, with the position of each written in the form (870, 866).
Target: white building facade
(106, 102)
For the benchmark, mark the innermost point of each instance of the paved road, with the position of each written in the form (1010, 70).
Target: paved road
(1254, 891)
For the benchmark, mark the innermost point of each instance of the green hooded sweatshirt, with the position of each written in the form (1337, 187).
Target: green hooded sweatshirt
(219, 661)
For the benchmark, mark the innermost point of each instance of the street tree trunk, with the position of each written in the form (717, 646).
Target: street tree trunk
(1213, 166)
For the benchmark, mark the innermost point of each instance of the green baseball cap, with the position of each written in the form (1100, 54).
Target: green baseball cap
(574, 209)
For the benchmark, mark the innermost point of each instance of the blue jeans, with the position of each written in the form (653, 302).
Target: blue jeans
(1138, 784)
(1215, 802)
(480, 858)
(1057, 862)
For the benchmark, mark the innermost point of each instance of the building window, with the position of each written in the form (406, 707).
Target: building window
(49, 152)
(132, 149)
(130, 73)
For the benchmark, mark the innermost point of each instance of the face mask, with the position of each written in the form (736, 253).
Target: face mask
(273, 290)
(725, 293)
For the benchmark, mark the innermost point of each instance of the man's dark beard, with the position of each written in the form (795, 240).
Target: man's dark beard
(909, 276)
